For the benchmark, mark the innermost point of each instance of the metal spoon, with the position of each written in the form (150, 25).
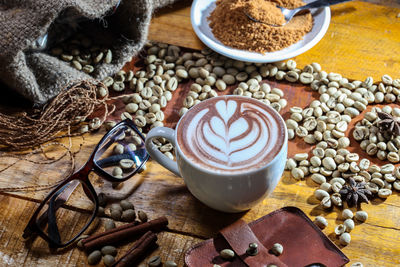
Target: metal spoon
(289, 13)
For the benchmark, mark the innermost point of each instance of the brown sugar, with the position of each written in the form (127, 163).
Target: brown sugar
(230, 25)
(265, 11)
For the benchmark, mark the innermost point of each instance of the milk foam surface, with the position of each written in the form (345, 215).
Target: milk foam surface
(231, 134)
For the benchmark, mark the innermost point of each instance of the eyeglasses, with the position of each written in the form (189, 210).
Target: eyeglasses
(61, 218)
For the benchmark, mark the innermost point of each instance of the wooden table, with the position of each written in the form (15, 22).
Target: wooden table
(363, 40)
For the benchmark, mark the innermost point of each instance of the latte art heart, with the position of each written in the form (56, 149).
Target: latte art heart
(231, 134)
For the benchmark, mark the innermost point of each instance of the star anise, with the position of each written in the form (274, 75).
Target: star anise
(355, 193)
(388, 123)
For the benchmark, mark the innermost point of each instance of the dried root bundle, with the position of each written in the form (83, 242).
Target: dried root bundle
(23, 131)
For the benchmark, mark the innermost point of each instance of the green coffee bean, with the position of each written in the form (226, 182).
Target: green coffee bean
(347, 214)
(79, 240)
(116, 214)
(102, 199)
(84, 129)
(318, 178)
(108, 57)
(126, 164)
(227, 254)
(326, 202)
(109, 250)
(228, 79)
(384, 193)
(345, 239)
(326, 187)
(126, 205)
(300, 156)
(361, 216)
(170, 264)
(142, 216)
(306, 78)
(154, 261)
(117, 172)
(297, 173)
(321, 222)
(94, 257)
(320, 194)
(109, 224)
(128, 215)
(277, 249)
(349, 225)
(108, 260)
(88, 69)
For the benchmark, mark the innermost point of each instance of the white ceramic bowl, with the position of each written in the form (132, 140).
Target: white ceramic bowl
(201, 9)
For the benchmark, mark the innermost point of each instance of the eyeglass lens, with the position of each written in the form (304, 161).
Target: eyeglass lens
(67, 212)
(121, 153)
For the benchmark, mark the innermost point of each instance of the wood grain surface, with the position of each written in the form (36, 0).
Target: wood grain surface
(362, 40)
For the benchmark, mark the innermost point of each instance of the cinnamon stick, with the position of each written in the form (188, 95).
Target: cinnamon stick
(123, 233)
(139, 249)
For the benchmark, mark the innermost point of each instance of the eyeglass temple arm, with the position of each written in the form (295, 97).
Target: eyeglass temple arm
(54, 234)
(44, 218)
(64, 196)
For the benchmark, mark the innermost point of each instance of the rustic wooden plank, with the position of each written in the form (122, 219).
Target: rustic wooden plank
(161, 193)
(15, 252)
(177, 19)
(370, 52)
(375, 243)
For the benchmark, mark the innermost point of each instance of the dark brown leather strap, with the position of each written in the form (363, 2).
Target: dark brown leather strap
(239, 236)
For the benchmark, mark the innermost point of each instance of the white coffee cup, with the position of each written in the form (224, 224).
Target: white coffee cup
(218, 186)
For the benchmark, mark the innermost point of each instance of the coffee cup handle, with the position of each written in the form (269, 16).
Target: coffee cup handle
(156, 154)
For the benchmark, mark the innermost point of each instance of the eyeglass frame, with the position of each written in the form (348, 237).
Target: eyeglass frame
(81, 175)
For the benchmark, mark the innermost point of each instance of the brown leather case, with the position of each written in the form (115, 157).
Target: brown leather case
(303, 243)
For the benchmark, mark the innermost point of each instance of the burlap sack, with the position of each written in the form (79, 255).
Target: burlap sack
(39, 76)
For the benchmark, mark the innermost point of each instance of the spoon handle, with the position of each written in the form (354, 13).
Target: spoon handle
(322, 3)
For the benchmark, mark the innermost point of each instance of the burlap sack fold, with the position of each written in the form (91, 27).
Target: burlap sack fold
(39, 76)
